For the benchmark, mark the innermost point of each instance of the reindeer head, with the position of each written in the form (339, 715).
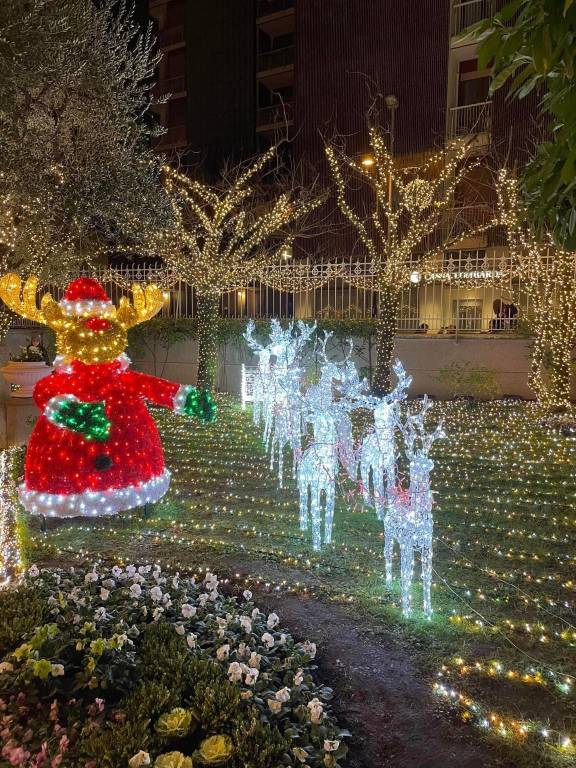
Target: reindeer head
(88, 326)
(418, 442)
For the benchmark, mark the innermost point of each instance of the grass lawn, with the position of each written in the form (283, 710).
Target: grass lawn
(499, 651)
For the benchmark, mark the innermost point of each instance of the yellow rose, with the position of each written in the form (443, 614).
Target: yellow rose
(176, 723)
(173, 760)
(216, 750)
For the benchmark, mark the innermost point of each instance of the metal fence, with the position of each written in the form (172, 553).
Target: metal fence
(457, 294)
(470, 12)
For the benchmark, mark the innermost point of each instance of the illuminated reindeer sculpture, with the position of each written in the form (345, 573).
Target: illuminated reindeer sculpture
(318, 467)
(262, 387)
(286, 419)
(378, 458)
(409, 519)
(95, 450)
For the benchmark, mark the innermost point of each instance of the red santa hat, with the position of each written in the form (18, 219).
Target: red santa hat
(85, 297)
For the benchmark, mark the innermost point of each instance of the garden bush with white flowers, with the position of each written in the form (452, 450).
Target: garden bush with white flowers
(130, 667)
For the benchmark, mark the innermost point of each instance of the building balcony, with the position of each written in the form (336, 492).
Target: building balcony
(471, 120)
(269, 7)
(174, 86)
(268, 118)
(171, 36)
(279, 59)
(468, 13)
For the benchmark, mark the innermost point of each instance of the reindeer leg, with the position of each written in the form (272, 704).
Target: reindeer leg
(388, 553)
(315, 514)
(304, 491)
(426, 555)
(329, 514)
(406, 572)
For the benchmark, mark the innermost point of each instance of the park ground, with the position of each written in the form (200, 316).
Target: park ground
(489, 681)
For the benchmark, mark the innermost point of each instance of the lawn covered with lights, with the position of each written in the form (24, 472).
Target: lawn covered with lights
(499, 650)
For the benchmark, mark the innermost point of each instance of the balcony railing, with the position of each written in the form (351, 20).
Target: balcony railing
(170, 85)
(468, 13)
(470, 120)
(171, 36)
(283, 57)
(267, 7)
(278, 114)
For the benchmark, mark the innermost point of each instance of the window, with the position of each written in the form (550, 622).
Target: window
(473, 83)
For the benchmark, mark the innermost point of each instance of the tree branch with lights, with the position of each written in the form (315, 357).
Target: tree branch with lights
(548, 275)
(410, 219)
(227, 235)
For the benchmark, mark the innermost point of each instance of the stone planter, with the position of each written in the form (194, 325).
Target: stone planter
(23, 376)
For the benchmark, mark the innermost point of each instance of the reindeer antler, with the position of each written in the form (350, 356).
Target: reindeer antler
(249, 336)
(145, 304)
(321, 345)
(22, 300)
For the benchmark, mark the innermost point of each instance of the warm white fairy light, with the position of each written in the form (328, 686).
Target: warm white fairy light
(10, 558)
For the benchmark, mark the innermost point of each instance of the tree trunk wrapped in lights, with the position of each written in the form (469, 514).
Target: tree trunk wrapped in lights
(225, 236)
(412, 221)
(548, 275)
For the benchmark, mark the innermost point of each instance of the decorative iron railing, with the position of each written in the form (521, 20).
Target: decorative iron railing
(468, 13)
(470, 120)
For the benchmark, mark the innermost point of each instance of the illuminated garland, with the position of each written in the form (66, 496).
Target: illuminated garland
(10, 556)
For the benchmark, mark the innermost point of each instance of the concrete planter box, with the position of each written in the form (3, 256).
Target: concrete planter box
(23, 376)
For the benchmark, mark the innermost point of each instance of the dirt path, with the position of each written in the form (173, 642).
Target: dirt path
(380, 695)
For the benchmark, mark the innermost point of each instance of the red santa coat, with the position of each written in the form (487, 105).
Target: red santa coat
(67, 474)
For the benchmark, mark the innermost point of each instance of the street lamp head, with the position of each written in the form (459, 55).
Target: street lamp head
(391, 101)
(367, 161)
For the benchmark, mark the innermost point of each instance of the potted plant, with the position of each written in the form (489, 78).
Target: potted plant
(24, 369)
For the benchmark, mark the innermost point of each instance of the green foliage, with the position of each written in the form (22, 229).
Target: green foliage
(21, 610)
(464, 380)
(258, 745)
(530, 45)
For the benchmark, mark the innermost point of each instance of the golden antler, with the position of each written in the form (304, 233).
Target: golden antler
(146, 303)
(25, 304)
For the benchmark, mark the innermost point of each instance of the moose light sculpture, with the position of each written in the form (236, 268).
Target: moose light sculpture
(95, 449)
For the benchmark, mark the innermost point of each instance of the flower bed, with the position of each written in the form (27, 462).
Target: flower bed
(130, 667)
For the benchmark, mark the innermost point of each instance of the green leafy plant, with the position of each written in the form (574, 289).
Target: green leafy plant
(462, 380)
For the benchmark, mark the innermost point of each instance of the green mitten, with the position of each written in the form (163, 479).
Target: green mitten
(200, 403)
(88, 419)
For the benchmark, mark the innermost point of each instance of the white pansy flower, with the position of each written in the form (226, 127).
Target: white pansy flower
(241, 651)
(33, 571)
(100, 614)
(109, 583)
(235, 672)
(130, 570)
(268, 640)
(157, 612)
(116, 572)
(203, 599)
(223, 652)
(90, 577)
(104, 593)
(309, 648)
(214, 595)
(139, 759)
(254, 660)
(135, 590)
(5, 666)
(283, 695)
(246, 695)
(246, 624)
(180, 629)
(300, 754)
(331, 745)
(142, 569)
(247, 595)
(176, 581)
(255, 613)
(188, 610)
(283, 638)
(251, 676)
(156, 594)
(316, 711)
(57, 670)
(273, 621)
(138, 579)
(191, 640)
(299, 677)
(275, 706)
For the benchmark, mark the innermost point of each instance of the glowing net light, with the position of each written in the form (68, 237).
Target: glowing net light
(256, 384)
(408, 520)
(10, 559)
(377, 459)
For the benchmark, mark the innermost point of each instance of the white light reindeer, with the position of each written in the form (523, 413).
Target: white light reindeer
(262, 387)
(318, 466)
(378, 450)
(285, 424)
(409, 519)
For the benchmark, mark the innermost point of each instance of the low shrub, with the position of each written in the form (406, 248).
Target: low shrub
(131, 667)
